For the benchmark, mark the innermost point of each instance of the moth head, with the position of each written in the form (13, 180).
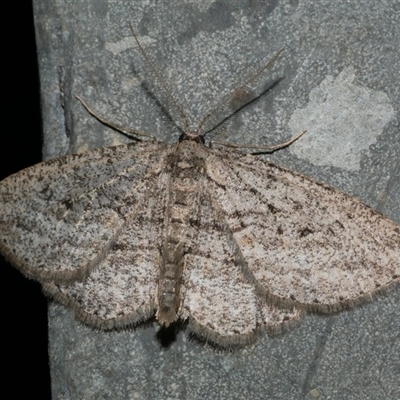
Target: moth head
(192, 136)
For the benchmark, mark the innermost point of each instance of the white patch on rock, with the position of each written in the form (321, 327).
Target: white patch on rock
(342, 121)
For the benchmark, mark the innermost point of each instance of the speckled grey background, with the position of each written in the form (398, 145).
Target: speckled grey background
(338, 78)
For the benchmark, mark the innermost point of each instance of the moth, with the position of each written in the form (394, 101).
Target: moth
(228, 242)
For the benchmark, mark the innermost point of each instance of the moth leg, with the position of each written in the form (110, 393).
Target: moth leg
(262, 149)
(121, 128)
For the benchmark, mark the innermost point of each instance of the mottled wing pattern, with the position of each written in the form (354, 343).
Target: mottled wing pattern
(266, 242)
(221, 302)
(122, 289)
(305, 244)
(60, 218)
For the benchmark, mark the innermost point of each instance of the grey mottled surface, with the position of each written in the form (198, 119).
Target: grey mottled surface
(338, 56)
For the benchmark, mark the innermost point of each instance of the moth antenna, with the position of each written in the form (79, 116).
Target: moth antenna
(237, 89)
(160, 79)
